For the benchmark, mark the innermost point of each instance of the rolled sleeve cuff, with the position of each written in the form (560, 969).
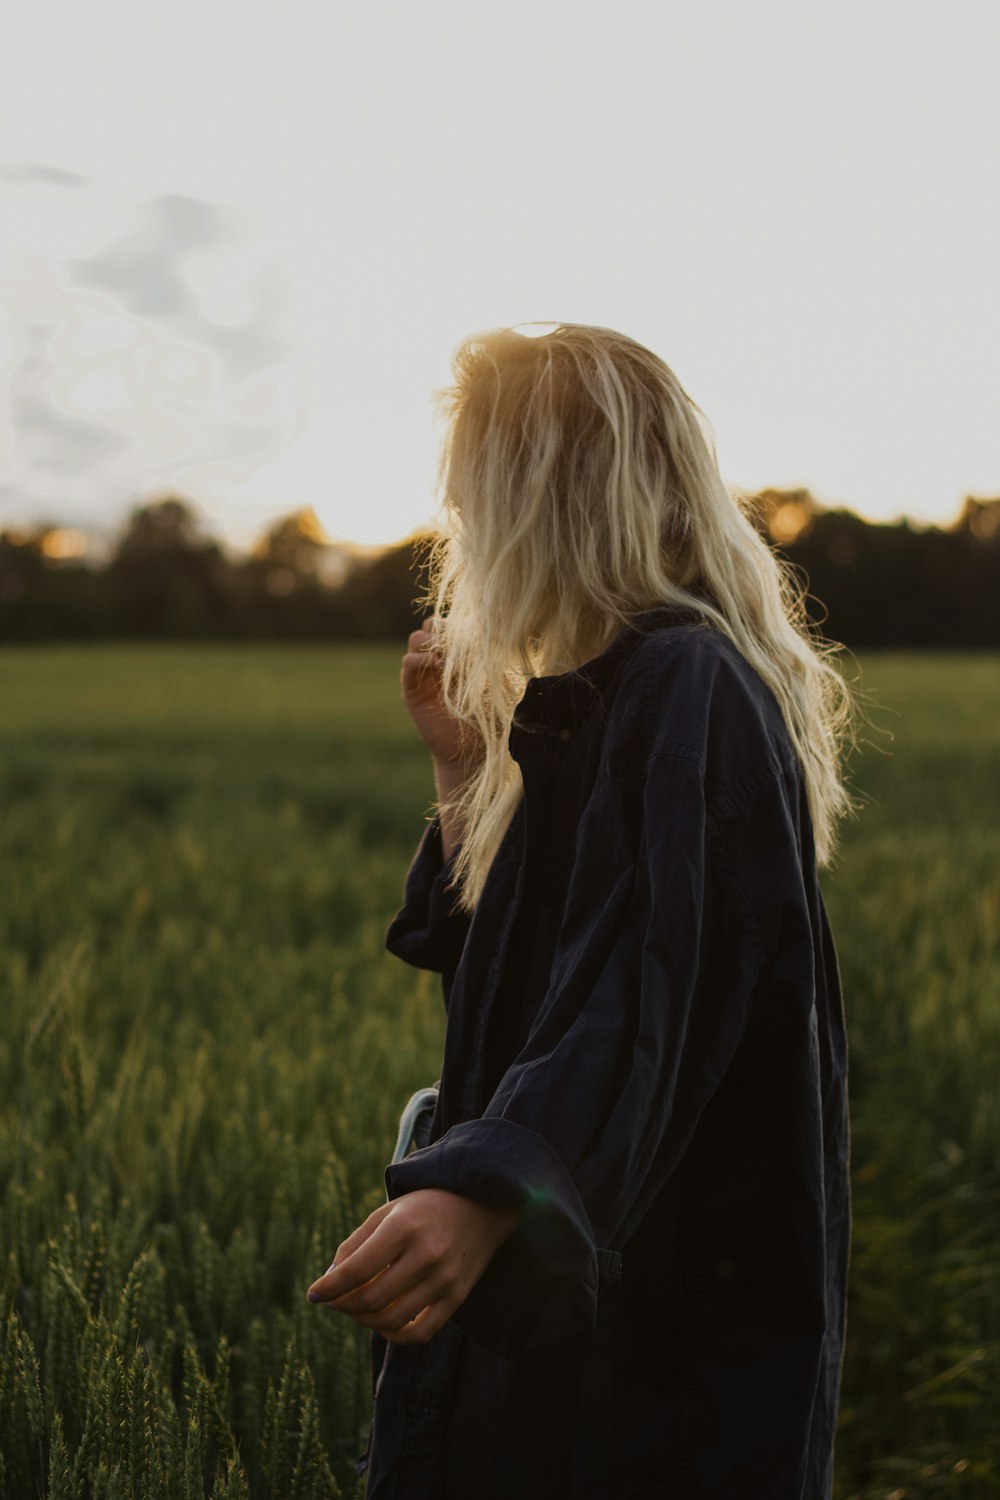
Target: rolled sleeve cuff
(428, 930)
(542, 1283)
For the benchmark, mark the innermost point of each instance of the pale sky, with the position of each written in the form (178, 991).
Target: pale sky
(241, 240)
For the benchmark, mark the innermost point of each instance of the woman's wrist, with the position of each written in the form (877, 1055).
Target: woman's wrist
(450, 776)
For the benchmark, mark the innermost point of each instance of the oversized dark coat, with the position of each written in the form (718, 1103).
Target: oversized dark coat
(646, 1050)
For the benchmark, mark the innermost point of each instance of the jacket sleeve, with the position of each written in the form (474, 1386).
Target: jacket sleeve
(649, 991)
(428, 931)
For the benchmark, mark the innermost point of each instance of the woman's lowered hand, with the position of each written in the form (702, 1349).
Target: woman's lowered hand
(406, 1269)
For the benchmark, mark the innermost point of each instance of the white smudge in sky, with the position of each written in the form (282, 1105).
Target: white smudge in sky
(142, 347)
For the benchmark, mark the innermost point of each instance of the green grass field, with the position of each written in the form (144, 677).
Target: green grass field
(204, 1049)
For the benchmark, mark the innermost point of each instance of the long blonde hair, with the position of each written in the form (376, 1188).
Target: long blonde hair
(579, 489)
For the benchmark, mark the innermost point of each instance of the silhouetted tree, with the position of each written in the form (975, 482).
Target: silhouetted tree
(287, 584)
(900, 586)
(165, 578)
(161, 527)
(980, 520)
(867, 586)
(376, 601)
(785, 515)
(47, 591)
(297, 544)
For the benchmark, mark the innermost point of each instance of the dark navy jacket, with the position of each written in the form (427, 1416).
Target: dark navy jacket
(646, 1050)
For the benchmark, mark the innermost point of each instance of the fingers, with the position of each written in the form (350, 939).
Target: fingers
(413, 1320)
(424, 1327)
(363, 1232)
(382, 1244)
(421, 661)
(397, 1313)
(429, 627)
(420, 641)
(398, 1280)
(421, 650)
(412, 1263)
(343, 1277)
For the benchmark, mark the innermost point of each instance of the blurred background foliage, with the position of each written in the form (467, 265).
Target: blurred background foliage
(870, 586)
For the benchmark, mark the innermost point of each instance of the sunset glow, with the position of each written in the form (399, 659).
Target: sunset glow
(253, 304)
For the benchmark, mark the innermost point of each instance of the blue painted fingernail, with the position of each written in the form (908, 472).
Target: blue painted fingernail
(315, 1297)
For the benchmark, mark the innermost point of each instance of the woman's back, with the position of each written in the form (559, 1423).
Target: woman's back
(646, 1043)
(618, 1267)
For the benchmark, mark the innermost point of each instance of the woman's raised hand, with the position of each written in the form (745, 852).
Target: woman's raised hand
(420, 683)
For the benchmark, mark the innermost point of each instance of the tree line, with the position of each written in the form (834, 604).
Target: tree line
(894, 586)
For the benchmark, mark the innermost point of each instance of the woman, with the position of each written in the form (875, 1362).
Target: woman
(618, 1267)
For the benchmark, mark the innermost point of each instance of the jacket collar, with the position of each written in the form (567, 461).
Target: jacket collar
(562, 700)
